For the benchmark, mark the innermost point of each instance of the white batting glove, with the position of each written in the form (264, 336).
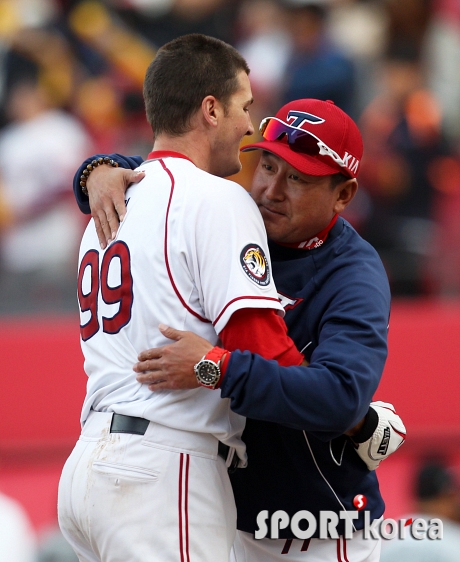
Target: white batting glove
(388, 436)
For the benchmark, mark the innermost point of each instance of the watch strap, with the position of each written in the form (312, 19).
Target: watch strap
(215, 354)
(221, 357)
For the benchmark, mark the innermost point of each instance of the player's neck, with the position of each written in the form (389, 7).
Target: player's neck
(191, 144)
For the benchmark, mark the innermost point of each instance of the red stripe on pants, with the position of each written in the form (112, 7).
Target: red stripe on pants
(183, 507)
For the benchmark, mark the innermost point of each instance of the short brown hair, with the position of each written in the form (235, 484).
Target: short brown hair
(183, 73)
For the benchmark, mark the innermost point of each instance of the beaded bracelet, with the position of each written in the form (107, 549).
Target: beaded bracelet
(90, 167)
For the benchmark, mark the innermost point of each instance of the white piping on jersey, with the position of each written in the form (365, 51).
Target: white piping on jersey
(325, 479)
(304, 348)
(338, 463)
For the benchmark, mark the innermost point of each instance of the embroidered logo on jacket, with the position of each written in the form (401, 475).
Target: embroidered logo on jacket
(255, 264)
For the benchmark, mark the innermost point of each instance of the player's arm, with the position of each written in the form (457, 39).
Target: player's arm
(107, 203)
(333, 393)
(262, 330)
(346, 362)
(171, 367)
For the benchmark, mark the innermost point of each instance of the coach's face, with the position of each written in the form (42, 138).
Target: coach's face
(296, 206)
(234, 125)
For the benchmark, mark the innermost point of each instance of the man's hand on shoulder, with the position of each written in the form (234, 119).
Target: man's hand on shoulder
(106, 191)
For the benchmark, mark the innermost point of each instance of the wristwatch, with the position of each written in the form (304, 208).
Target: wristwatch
(207, 370)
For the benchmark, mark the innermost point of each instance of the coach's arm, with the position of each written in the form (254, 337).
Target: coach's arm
(329, 396)
(110, 201)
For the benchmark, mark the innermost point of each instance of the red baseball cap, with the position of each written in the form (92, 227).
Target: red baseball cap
(315, 137)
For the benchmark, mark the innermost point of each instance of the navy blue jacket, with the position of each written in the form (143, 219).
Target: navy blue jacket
(337, 303)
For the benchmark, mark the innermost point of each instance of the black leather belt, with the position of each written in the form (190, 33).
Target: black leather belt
(138, 426)
(128, 424)
(222, 451)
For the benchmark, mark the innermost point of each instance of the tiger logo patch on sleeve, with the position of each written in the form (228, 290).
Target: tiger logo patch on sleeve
(255, 264)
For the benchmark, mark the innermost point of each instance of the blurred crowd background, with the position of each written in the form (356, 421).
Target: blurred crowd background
(71, 74)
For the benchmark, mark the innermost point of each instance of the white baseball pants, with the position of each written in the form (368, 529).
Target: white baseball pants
(160, 497)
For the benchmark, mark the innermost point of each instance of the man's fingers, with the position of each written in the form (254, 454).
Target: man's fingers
(144, 367)
(120, 208)
(152, 353)
(100, 232)
(118, 200)
(106, 187)
(105, 227)
(113, 223)
(146, 375)
(133, 177)
(171, 333)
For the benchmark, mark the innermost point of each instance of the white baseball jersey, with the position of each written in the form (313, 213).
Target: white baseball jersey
(191, 251)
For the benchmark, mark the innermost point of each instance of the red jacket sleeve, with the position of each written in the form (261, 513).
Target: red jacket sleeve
(262, 331)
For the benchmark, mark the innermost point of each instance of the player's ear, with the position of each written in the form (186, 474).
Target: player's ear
(345, 192)
(210, 110)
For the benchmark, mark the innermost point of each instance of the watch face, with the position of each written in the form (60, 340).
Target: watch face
(208, 372)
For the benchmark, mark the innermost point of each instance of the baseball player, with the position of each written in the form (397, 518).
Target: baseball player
(336, 296)
(148, 479)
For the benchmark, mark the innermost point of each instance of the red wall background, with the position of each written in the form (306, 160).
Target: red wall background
(43, 385)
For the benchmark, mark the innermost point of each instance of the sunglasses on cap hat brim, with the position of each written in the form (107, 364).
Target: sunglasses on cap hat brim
(299, 140)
